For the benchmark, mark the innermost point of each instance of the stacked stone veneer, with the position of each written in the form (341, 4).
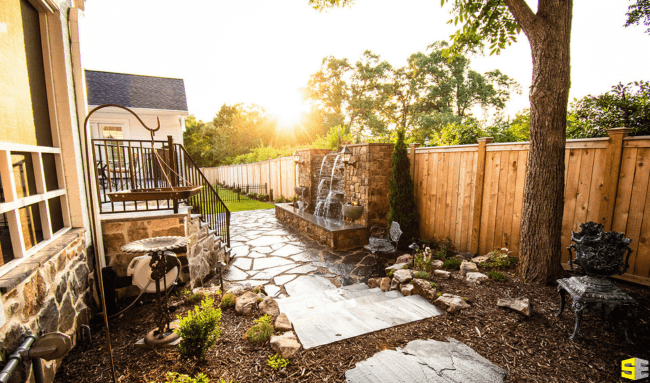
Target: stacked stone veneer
(337, 239)
(368, 183)
(200, 260)
(50, 291)
(309, 173)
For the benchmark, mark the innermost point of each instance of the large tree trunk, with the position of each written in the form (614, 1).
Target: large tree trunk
(549, 33)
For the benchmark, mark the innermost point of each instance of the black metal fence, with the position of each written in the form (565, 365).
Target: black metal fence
(238, 193)
(132, 164)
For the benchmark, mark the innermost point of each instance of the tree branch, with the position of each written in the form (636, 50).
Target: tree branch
(522, 13)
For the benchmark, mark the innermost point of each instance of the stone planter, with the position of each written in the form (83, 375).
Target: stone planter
(353, 212)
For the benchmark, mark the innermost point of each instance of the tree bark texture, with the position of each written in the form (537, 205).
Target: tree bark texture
(549, 33)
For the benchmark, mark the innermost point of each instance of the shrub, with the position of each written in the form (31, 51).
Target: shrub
(452, 264)
(422, 262)
(279, 200)
(256, 290)
(185, 292)
(276, 361)
(227, 300)
(266, 318)
(446, 247)
(421, 275)
(499, 259)
(237, 190)
(195, 298)
(433, 285)
(401, 198)
(405, 267)
(259, 332)
(253, 195)
(441, 255)
(264, 197)
(497, 276)
(200, 329)
(390, 273)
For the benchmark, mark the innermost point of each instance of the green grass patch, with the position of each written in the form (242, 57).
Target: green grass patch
(452, 264)
(496, 276)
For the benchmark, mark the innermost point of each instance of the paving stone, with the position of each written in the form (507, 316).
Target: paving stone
(305, 269)
(448, 362)
(266, 241)
(307, 285)
(354, 258)
(234, 274)
(272, 272)
(306, 256)
(277, 246)
(256, 283)
(262, 249)
(240, 251)
(282, 279)
(272, 290)
(336, 268)
(243, 263)
(288, 250)
(240, 238)
(268, 262)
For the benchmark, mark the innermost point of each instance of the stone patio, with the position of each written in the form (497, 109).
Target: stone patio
(267, 253)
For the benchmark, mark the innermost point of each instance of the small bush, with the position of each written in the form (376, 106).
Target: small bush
(405, 267)
(185, 292)
(438, 294)
(237, 190)
(279, 200)
(199, 329)
(421, 275)
(195, 298)
(266, 318)
(440, 255)
(422, 262)
(256, 290)
(452, 264)
(263, 197)
(390, 273)
(276, 362)
(175, 377)
(227, 300)
(260, 332)
(497, 276)
(500, 259)
(435, 286)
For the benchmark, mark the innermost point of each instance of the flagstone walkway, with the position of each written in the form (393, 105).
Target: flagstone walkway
(267, 253)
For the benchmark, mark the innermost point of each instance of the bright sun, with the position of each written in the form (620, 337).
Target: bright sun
(288, 109)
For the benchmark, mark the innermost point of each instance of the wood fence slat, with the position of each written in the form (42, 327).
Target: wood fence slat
(458, 219)
(506, 237)
(584, 187)
(570, 195)
(424, 195)
(596, 186)
(624, 193)
(642, 259)
(502, 196)
(485, 202)
(493, 200)
(441, 189)
(638, 205)
(452, 197)
(519, 201)
(469, 201)
(433, 194)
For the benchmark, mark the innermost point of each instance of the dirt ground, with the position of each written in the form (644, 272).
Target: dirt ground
(535, 349)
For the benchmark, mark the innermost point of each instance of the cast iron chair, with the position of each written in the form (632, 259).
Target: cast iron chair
(383, 246)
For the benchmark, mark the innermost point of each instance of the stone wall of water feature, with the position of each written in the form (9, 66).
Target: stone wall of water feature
(308, 174)
(368, 182)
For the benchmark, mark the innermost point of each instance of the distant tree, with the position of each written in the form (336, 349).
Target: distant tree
(197, 141)
(623, 106)
(401, 197)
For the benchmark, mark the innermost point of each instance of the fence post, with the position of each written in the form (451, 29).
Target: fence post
(478, 192)
(610, 178)
(270, 183)
(412, 160)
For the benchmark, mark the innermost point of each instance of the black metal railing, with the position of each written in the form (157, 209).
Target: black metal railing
(238, 193)
(145, 164)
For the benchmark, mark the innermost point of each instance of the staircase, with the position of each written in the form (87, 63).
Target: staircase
(335, 314)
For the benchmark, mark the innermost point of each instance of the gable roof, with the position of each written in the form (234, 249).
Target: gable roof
(134, 91)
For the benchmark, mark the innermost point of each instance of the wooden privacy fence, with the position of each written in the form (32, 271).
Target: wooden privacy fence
(279, 173)
(473, 194)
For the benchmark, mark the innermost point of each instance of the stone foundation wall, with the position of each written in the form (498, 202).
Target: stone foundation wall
(346, 239)
(51, 291)
(199, 262)
(368, 183)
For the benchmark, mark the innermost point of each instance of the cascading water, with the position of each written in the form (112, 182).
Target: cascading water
(329, 198)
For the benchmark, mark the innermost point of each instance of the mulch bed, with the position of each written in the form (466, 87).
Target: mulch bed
(535, 349)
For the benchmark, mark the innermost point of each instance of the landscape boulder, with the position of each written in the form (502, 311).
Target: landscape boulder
(286, 344)
(394, 284)
(476, 278)
(283, 323)
(403, 276)
(442, 274)
(397, 266)
(245, 303)
(269, 306)
(407, 289)
(406, 258)
(423, 288)
(467, 267)
(384, 284)
(520, 305)
(451, 303)
(437, 264)
(481, 259)
(373, 282)
(239, 290)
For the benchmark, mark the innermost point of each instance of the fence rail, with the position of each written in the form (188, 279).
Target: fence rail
(280, 174)
(473, 194)
(238, 193)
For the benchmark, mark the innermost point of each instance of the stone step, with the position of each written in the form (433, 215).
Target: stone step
(341, 292)
(368, 298)
(340, 322)
(291, 306)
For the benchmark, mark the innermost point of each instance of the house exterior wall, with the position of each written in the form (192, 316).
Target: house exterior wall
(172, 123)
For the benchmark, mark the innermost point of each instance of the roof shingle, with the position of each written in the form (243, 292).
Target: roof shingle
(135, 91)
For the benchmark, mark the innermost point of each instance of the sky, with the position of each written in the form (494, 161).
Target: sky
(263, 51)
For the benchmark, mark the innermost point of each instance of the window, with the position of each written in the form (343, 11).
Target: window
(114, 132)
